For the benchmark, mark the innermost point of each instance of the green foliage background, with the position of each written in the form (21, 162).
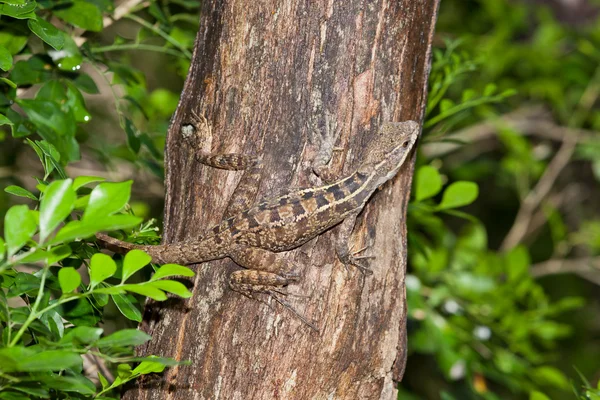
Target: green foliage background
(513, 91)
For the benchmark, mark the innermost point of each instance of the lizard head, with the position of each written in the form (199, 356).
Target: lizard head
(386, 153)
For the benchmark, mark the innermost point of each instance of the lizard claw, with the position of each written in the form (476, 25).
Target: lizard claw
(357, 261)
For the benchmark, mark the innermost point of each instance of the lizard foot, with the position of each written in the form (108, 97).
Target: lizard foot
(351, 258)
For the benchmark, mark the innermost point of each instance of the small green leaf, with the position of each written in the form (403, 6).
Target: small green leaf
(146, 290)
(428, 183)
(77, 383)
(2, 249)
(102, 380)
(19, 11)
(19, 227)
(124, 371)
(58, 253)
(19, 191)
(81, 335)
(69, 279)
(172, 287)
(76, 103)
(6, 60)
(4, 120)
(47, 32)
(535, 395)
(82, 202)
(56, 205)
(126, 307)
(84, 229)
(446, 105)
(133, 262)
(149, 367)
(106, 199)
(85, 83)
(81, 14)
(84, 180)
(546, 375)
(50, 360)
(125, 337)
(133, 142)
(458, 194)
(101, 268)
(171, 270)
(490, 89)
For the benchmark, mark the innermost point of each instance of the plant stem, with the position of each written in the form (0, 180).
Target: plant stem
(33, 315)
(161, 33)
(137, 46)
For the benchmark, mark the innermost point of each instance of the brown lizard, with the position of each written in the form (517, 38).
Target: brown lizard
(253, 236)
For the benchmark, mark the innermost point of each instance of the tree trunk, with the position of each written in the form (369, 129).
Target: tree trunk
(277, 81)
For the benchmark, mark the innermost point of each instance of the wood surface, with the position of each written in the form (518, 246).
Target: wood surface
(277, 79)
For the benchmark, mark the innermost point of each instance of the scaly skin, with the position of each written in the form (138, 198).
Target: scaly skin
(253, 236)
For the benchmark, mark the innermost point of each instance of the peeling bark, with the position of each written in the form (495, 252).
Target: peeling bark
(278, 81)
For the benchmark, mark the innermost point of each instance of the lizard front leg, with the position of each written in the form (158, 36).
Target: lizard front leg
(342, 246)
(266, 273)
(245, 194)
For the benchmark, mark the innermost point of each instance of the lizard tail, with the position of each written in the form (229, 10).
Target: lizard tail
(116, 245)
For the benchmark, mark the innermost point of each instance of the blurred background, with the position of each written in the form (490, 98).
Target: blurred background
(503, 281)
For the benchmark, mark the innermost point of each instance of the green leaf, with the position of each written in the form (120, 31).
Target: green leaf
(76, 103)
(490, 89)
(172, 287)
(47, 32)
(133, 142)
(56, 205)
(171, 270)
(126, 307)
(76, 383)
(6, 60)
(103, 380)
(81, 14)
(23, 283)
(10, 356)
(124, 371)
(106, 199)
(550, 376)
(101, 268)
(81, 335)
(19, 227)
(19, 191)
(54, 125)
(146, 290)
(125, 337)
(50, 360)
(85, 83)
(19, 11)
(84, 229)
(81, 181)
(5, 121)
(535, 395)
(458, 194)
(133, 262)
(58, 253)
(2, 250)
(69, 279)
(149, 367)
(428, 183)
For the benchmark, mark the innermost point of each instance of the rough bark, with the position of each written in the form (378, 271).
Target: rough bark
(277, 80)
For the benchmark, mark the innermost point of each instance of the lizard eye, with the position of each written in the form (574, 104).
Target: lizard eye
(405, 144)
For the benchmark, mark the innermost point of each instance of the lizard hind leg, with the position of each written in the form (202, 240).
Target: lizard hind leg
(250, 283)
(266, 274)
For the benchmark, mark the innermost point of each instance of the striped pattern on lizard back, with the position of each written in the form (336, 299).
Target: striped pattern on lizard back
(286, 222)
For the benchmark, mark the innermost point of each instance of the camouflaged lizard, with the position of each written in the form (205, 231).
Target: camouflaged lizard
(252, 236)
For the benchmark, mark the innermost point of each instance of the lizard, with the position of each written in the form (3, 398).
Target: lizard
(252, 236)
